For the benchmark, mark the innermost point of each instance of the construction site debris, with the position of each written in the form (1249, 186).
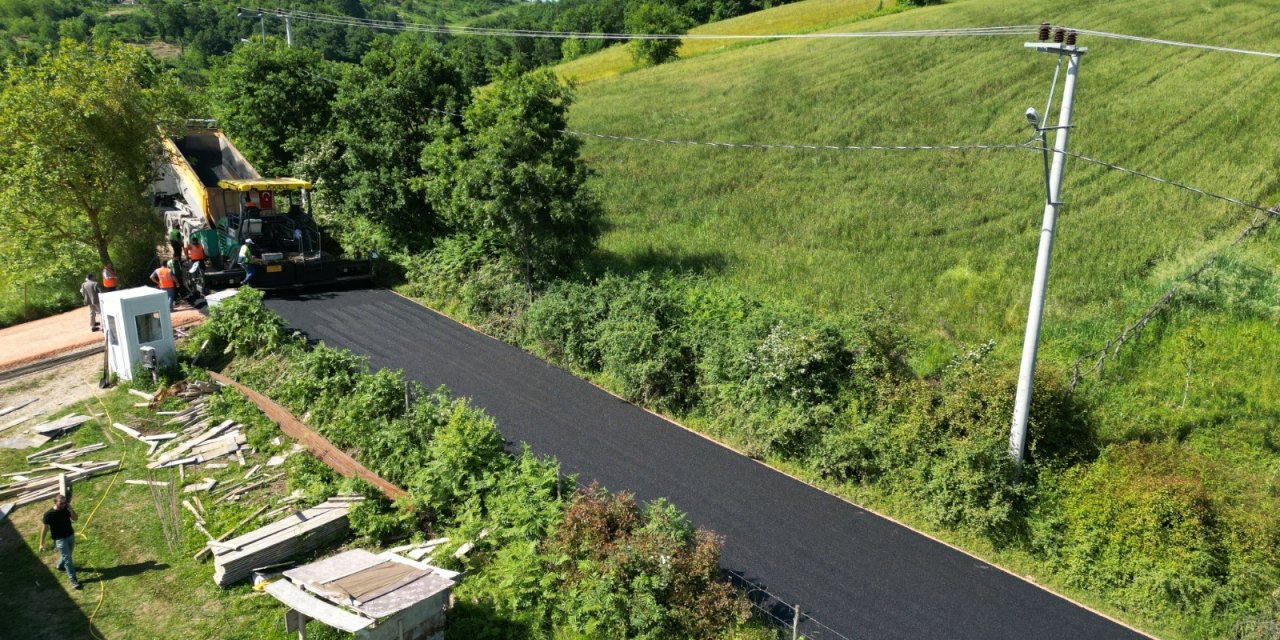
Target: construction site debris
(60, 426)
(296, 533)
(142, 394)
(45, 487)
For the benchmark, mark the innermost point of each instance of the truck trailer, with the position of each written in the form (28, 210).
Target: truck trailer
(209, 192)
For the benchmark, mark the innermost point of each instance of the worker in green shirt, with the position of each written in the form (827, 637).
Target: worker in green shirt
(175, 243)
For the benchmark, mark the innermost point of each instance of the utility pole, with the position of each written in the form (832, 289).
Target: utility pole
(1063, 45)
(288, 29)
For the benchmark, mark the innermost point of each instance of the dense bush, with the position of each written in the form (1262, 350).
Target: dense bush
(240, 325)
(469, 276)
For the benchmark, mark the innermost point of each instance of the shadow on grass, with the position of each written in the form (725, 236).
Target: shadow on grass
(658, 261)
(104, 574)
(37, 603)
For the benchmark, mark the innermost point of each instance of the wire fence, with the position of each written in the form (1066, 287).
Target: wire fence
(785, 614)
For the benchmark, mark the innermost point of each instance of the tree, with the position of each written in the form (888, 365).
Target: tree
(78, 134)
(386, 111)
(658, 19)
(272, 99)
(517, 176)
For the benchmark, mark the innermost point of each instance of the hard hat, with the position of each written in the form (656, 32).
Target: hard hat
(248, 240)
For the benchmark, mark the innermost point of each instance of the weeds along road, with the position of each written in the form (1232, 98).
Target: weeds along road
(858, 574)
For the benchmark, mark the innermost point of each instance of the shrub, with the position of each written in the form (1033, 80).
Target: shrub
(639, 574)
(462, 459)
(1141, 525)
(561, 325)
(640, 345)
(241, 326)
(471, 276)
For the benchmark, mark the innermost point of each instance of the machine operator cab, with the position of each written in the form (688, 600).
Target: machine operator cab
(275, 214)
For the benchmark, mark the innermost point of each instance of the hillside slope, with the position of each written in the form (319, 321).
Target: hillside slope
(950, 237)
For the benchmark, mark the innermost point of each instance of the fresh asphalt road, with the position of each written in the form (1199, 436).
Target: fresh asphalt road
(854, 574)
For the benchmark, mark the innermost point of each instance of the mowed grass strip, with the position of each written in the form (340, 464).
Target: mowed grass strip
(948, 236)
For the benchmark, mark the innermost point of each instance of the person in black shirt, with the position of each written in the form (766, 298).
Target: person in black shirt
(57, 521)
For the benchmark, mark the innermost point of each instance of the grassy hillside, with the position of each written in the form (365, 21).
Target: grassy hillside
(800, 17)
(950, 238)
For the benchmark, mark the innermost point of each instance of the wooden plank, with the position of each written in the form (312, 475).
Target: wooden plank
(158, 437)
(11, 408)
(232, 529)
(45, 452)
(336, 458)
(312, 607)
(127, 430)
(142, 394)
(155, 483)
(193, 511)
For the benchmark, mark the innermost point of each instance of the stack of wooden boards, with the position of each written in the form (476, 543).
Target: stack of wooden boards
(54, 471)
(297, 533)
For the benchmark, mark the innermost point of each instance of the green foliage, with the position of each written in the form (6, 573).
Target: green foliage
(636, 573)
(639, 342)
(386, 111)
(516, 177)
(1142, 525)
(79, 130)
(655, 17)
(470, 277)
(242, 326)
(464, 455)
(271, 100)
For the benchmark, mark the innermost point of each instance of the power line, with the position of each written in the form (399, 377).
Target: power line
(392, 25)
(1010, 30)
(1173, 183)
(924, 147)
(1112, 347)
(797, 147)
(1174, 43)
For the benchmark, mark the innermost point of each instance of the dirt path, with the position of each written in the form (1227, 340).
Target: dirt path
(39, 339)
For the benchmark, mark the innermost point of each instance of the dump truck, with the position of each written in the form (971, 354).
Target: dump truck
(209, 192)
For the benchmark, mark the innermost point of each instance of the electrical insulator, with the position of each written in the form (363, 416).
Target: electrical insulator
(1044, 32)
(1058, 34)
(1071, 39)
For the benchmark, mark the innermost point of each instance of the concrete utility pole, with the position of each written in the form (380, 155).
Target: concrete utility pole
(288, 29)
(1022, 403)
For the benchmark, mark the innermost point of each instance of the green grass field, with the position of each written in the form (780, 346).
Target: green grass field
(950, 238)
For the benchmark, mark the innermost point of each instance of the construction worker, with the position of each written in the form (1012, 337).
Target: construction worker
(163, 277)
(175, 243)
(245, 258)
(89, 291)
(195, 251)
(175, 267)
(57, 521)
(108, 277)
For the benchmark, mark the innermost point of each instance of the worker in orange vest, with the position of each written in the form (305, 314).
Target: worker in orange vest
(195, 251)
(164, 278)
(108, 277)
